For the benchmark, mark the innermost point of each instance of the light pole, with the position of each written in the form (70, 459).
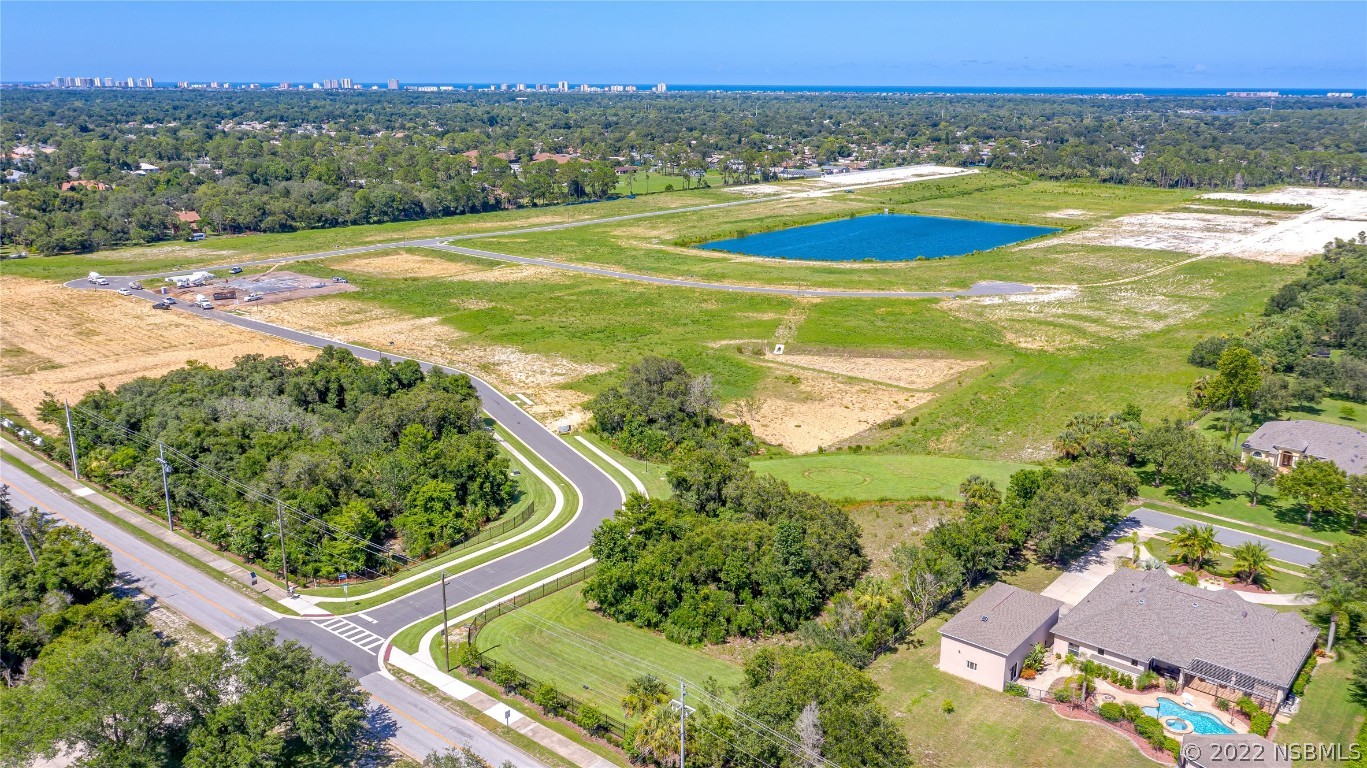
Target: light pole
(165, 486)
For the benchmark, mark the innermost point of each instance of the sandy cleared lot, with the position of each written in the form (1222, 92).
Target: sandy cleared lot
(405, 264)
(540, 377)
(58, 340)
(1068, 317)
(803, 410)
(912, 373)
(893, 175)
(1272, 236)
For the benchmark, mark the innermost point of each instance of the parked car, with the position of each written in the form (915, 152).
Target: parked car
(196, 237)
(101, 281)
(339, 279)
(125, 292)
(253, 297)
(205, 305)
(161, 305)
(235, 271)
(135, 285)
(169, 300)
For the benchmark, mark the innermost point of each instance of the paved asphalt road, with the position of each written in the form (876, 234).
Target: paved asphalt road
(416, 724)
(1290, 553)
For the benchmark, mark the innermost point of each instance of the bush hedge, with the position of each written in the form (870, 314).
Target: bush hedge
(1015, 689)
(1111, 712)
(1260, 724)
(1303, 679)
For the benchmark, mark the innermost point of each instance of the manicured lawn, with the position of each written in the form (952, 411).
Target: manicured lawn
(589, 672)
(1231, 499)
(870, 477)
(1328, 714)
(988, 729)
(657, 183)
(1277, 581)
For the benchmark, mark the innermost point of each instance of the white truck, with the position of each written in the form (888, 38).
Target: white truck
(96, 279)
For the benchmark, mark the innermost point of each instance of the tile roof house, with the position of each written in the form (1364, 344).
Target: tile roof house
(987, 641)
(98, 186)
(1283, 443)
(1212, 640)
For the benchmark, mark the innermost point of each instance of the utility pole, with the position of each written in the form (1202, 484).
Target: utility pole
(683, 715)
(445, 628)
(71, 439)
(280, 523)
(19, 523)
(165, 486)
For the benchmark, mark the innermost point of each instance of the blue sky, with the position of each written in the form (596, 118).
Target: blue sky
(1068, 44)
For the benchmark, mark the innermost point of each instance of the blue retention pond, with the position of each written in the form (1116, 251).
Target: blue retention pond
(1200, 722)
(885, 237)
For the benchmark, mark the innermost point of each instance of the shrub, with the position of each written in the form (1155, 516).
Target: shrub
(1170, 686)
(1132, 711)
(1015, 689)
(1260, 724)
(1111, 712)
(1063, 695)
(591, 720)
(1249, 707)
(1126, 682)
(547, 697)
(1146, 681)
(1028, 673)
(1222, 704)
(1148, 728)
(505, 676)
(1303, 679)
(468, 658)
(947, 707)
(1173, 746)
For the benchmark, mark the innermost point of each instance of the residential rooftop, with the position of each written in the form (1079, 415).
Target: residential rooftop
(1148, 615)
(1001, 618)
(1345, 446)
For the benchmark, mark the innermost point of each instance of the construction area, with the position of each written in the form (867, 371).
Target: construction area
(266, 288)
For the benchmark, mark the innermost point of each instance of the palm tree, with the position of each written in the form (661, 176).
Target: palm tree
(1194, 544)
(644, 693)
(1334, 596)
(1251, 559)
(1131, 538)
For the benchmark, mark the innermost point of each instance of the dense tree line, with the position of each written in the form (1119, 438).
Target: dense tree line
(1057, 512)
(137, 701)
(364, 456)
(824, 709)
(1284, 358)
(659, 408)
(84, 674)
(269, 161)
(732, 553)
(54, 582)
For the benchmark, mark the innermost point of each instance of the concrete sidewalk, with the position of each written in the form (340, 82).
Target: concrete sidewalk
(504, 713)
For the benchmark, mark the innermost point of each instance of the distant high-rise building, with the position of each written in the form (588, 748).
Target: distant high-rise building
(150, 82)
(393, 84)
(284, 86)
(562, 86)
(660, 88)
(346, 83)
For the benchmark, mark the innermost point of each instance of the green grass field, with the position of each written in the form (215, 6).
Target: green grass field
(596, 672)
(871, 477)
(1328, 713)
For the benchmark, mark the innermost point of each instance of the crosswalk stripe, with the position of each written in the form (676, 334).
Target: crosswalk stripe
(357, 636)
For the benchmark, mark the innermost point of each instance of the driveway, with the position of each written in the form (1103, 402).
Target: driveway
(1087, 571)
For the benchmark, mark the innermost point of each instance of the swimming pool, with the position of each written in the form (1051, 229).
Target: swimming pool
(1201, 722)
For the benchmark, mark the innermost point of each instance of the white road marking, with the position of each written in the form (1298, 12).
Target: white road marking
(367, 618)
(366, 641)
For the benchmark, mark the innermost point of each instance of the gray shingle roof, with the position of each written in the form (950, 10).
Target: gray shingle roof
(1345, 446)
(1148, 615)
(1001, 618)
